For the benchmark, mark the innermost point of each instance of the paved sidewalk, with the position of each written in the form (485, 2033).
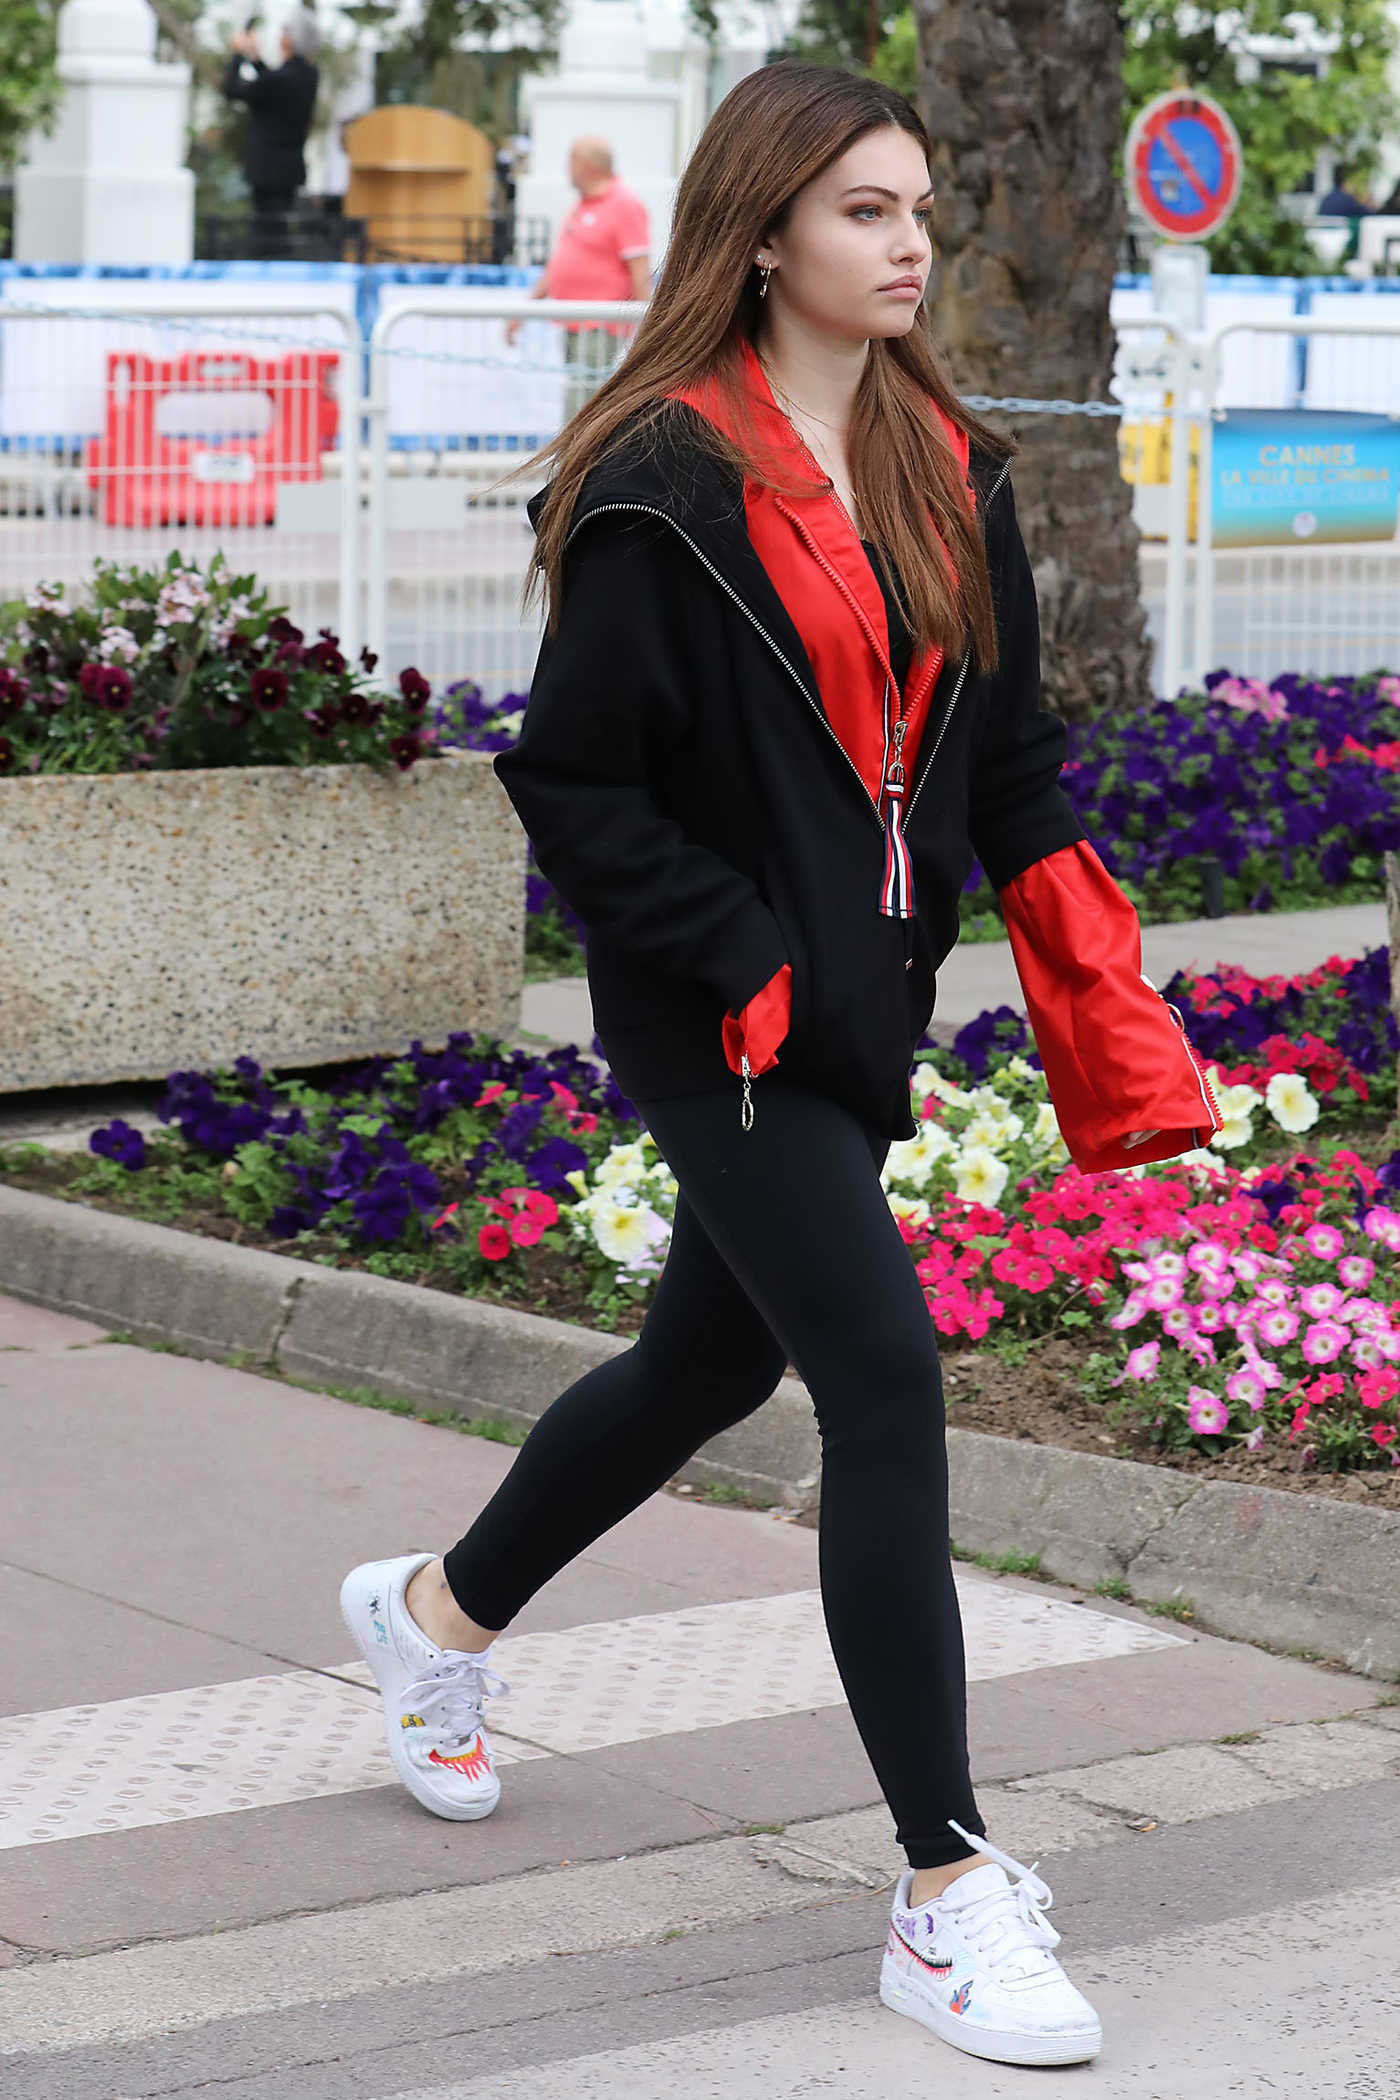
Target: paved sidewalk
(212, 1885)
(981, 974)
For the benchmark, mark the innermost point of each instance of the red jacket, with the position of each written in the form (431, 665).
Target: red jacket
(1117, 1059)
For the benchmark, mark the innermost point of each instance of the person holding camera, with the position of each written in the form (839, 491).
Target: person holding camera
(280, 103)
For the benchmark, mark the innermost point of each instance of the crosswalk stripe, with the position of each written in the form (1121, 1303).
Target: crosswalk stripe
(260, 1742)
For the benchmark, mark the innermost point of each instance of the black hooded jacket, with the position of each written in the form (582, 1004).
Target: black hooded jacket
(688, 798)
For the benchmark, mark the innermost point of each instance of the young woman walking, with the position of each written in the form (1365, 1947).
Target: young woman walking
(789, 687)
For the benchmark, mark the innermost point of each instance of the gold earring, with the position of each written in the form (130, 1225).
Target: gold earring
(767, 271)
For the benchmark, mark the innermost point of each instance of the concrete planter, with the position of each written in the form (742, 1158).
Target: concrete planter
(151, 922)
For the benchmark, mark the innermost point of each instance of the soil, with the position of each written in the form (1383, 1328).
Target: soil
(1039, 1400)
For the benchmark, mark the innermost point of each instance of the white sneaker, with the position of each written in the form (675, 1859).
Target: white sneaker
(974, 1965)
(432, 1696)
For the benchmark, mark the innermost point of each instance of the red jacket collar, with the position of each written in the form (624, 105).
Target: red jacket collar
(813, 555)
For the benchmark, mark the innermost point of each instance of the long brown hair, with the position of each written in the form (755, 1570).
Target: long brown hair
(774, 131)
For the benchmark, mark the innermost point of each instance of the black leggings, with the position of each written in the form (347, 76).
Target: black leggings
(784, 1248)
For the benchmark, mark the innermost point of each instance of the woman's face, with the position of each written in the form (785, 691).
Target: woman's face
(853, 233)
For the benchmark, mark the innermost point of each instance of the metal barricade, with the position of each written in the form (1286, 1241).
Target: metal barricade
(126, 434)
(454, 408)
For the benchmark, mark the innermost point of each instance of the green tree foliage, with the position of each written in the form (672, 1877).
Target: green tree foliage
(1283, 118)
(424, 63)
(840, 33)
(28, 81)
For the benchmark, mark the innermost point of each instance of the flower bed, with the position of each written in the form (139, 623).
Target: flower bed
(174, 667)
(1236, 1307)
(1289, 789)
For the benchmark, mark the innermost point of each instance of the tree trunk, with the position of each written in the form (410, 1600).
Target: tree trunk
(1023, 100)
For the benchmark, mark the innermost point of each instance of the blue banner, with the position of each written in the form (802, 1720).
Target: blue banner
(1288, 478)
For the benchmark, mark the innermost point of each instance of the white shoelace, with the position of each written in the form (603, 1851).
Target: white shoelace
(454, 1692)
(1005, 1922)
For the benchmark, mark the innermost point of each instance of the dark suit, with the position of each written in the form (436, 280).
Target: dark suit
(280, 105)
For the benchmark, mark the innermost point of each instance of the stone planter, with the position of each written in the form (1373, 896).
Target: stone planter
(157, 921)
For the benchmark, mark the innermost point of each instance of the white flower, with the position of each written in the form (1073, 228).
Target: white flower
(954, 1096)
(1234, 1100)
(629, 1233)
(983, 1129)
(622, 1163)
(1235, 1130)
(912, 1209)
(923, 1080)
(979, 1176)
(1019, 1069)
(1045, 1130)
(912, 1159)
(1291, 1102)
(577, 1180)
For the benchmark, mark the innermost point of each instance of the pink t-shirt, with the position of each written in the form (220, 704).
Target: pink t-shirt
(595, 241)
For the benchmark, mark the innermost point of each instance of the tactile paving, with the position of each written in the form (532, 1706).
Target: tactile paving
(262, 1741)
(254, 1743)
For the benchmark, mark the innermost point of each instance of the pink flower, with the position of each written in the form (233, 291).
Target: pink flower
(1255, 1439)
(1278, 1327)
(1383, 1434)
(1321, 1300)
(1206, 1414)
(1142, 1362)
(1210, 1317)
(1163, 1293)
(1375, 1387)
(1131, 1311)
(1365, 1352)
(1247, 1265)
(1383, 1225)
(1356, 1271)
(1324, 1343)
(1179, 1322)
(1207, 1256)
(1324, 1241)
(1248, 1386)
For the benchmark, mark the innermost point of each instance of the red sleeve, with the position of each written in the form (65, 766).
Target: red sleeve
(1116, 1055)
(760, 1026)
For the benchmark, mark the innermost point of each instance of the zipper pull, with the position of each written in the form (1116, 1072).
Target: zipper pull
(895, 775)
(746, 1105)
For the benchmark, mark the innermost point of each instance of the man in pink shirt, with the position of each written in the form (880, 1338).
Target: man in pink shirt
(602, 252)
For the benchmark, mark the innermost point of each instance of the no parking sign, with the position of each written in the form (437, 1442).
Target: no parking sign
(1182, 165)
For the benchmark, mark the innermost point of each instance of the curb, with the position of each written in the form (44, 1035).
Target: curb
(1259, 1564)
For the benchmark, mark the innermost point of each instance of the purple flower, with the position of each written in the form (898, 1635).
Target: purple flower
(117, 1140)
(415, 689)
(268, 689)
(404, 750)
(280, 629)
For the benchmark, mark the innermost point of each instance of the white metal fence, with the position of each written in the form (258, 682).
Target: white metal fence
(371, 485)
